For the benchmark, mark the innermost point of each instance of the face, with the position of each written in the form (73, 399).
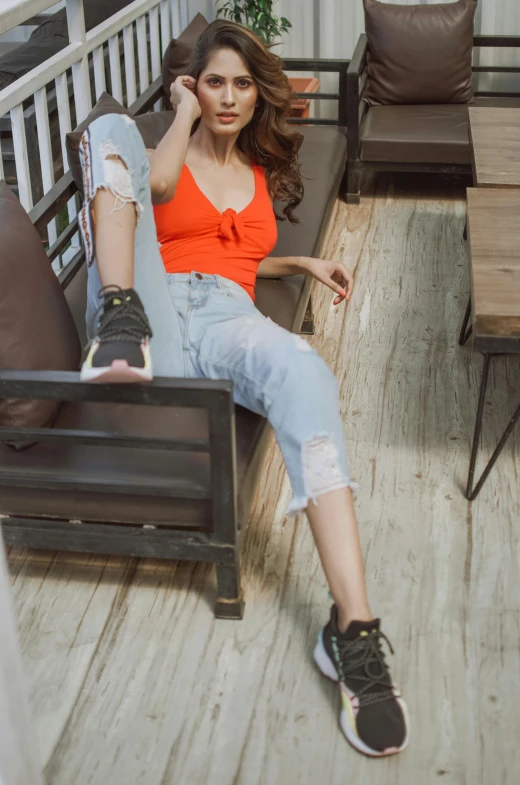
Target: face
(226, 92)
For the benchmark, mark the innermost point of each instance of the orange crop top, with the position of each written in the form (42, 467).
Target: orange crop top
(194, 235)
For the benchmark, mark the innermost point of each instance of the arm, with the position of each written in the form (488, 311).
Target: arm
(333, 274)
(167, 160)
(279, 266)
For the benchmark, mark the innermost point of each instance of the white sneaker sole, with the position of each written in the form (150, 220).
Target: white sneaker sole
(117, 373)
(326, 666)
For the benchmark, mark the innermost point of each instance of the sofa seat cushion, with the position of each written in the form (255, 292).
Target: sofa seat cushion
(437, 134)
(322, 156)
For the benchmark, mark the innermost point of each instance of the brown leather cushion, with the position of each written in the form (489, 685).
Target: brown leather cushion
(416, 134)
(36, 325)
(419, 54)
(179, 52)
(152, 128)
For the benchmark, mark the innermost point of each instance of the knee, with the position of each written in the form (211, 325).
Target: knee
(116, 127)
(308, 372)
(112, 137)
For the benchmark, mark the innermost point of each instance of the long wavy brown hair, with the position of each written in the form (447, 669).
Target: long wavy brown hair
(267, 140)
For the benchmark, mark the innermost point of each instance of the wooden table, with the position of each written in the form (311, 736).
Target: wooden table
(494, 243)
(495, 142)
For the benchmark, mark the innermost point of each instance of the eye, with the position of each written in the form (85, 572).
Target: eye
(244, 83)
(213, 81)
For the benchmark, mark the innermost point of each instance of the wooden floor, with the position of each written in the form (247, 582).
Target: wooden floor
(133, 682)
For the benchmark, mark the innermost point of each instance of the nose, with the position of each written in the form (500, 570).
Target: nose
(228, 97)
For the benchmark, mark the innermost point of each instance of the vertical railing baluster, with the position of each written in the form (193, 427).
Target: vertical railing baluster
(45, 149)
(80, 75)
(142, 51)
(115, 67)
(63, 100)
(129, 57)
(98, 59)
(21, 157)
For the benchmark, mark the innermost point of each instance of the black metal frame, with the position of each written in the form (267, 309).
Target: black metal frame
(220, 543)
(490, 346)
(357, 108)
(471, 490)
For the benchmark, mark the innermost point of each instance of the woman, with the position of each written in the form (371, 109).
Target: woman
(212, 189)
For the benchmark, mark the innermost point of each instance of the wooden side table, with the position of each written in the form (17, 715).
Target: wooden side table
(495, 144)
(301, 106)
(494, 243)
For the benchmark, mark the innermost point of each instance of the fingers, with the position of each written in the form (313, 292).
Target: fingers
(343, 283)
(348, 280)
(188, 81)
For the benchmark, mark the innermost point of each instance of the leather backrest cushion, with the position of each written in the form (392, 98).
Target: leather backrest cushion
(152, 127)
(179, 52)
(23, 58)
(37, 329)
(419, 54)
(96, 11)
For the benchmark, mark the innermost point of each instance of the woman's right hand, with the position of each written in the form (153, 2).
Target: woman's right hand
(182, 91)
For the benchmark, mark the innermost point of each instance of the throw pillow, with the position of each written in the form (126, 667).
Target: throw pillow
(419, 54)
(152, 127)
(105, 105)
(179, 52)
(37, 329)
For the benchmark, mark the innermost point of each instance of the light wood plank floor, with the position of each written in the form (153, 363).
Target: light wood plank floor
(132, 681)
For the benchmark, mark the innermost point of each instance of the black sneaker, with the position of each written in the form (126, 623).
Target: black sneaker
(120, 351)
(373, 715)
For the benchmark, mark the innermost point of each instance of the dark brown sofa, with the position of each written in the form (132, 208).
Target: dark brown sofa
(162, 470)
(418, 137)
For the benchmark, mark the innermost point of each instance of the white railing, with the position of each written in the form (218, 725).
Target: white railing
(124, 53)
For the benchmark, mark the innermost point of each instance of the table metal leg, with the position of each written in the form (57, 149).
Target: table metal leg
(472, 493)
(466, 331)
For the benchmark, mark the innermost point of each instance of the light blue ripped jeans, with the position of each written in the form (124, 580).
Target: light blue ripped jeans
(206, 326)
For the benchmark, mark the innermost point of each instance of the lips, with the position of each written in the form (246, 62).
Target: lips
(228, 115)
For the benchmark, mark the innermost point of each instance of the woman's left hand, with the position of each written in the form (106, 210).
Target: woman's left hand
(333, 274)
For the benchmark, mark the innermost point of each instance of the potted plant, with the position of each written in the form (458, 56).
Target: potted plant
(258, 16)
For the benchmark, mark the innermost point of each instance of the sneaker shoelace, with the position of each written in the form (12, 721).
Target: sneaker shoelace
(363, 660)
(124, 322)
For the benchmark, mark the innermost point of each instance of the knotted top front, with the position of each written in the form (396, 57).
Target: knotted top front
(196, 237)
(232, 225)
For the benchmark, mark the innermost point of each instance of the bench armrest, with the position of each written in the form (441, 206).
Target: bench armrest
(355, 89)
(323, 65)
